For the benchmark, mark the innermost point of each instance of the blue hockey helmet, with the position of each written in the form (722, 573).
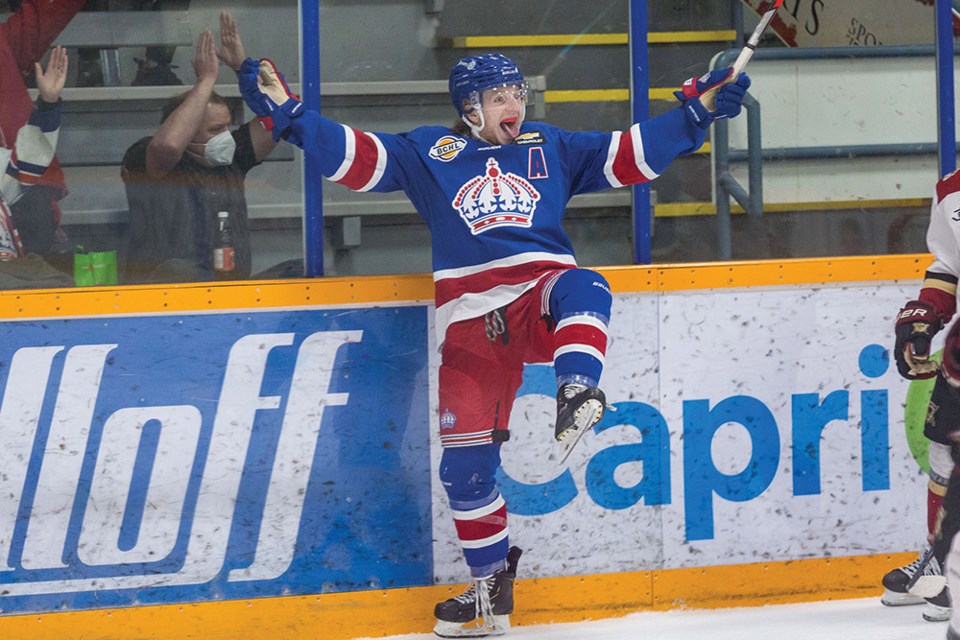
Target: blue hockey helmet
(473, 75)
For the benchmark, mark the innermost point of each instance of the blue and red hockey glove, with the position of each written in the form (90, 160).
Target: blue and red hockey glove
(266, 92)
(709, 88)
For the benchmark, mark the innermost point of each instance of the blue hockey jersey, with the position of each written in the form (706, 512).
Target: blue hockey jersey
(494, 212)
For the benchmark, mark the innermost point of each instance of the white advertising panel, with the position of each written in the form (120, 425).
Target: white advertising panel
(752, 425)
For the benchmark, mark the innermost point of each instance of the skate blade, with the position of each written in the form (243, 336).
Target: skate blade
(588, 415)
(928, 586)
(933, 613)
(498, 626)
(894, 599)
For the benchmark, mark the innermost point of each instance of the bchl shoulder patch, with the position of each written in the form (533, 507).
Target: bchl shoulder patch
(531, 137)
(447, 148)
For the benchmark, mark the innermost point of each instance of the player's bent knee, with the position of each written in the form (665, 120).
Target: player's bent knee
(578, 290)
(469, 474)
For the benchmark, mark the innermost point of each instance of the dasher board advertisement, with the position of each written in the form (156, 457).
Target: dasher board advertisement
(184, 458)
(751, 425)
(842, 23)
(193, 457)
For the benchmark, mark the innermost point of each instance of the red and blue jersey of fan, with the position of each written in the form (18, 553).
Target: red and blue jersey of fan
(494, 212)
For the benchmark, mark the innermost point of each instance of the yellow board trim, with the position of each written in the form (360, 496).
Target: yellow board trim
(266, 295)
(345, 616)
(586, 39)
(761, 273)
(306, 293)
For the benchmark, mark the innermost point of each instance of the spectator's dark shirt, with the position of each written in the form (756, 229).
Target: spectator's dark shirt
(173, 219)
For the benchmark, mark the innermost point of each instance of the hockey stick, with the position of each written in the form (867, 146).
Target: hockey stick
(708, 99)
(925, 586)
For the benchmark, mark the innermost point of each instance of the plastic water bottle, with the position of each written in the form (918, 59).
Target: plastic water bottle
(223, 262)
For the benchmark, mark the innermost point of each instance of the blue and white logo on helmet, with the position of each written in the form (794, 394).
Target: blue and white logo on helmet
(473, 75)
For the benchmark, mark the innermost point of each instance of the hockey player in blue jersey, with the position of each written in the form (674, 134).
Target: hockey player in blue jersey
(493, 190)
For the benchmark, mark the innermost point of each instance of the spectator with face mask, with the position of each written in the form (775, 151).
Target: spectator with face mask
(192, 169)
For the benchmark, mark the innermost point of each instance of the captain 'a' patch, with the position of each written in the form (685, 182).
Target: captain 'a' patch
(537, 164)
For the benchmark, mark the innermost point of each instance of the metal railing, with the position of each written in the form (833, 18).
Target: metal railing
(751, 198)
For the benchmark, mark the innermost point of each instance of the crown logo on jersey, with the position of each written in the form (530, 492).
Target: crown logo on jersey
(496, 199)
(448, 419)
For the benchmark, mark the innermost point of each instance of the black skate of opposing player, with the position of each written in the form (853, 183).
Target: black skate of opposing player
(579, 407)
(902, 586)
(484, 608)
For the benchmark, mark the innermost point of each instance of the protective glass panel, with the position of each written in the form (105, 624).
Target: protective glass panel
(847, 159)
(118, 208)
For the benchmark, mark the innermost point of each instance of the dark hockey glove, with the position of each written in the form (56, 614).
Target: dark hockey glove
(951, 356)
(713, 89)
(916, 325)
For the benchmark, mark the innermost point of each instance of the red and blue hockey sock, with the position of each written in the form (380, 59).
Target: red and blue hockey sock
(480, 514)
(580, 302)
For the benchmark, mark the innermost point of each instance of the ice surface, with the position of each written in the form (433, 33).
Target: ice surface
(864, 619)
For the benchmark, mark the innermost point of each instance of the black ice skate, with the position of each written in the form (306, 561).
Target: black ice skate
(938, 607)
(483, 609)
(578, 408)
(895, 582)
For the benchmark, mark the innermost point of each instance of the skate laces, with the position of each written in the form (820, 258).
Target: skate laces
(478, 594)
(471, 594)
(932, 568)
(484, 604)
(571, 390)
(468, 596)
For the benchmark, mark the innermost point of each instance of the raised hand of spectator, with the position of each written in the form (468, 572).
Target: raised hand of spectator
(231, 46)
(50, 82)
(205, 63)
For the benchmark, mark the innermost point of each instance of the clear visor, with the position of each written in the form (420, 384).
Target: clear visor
(505, 94)
(496, 96)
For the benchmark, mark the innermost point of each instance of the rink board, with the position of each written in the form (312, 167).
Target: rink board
(201, 461)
